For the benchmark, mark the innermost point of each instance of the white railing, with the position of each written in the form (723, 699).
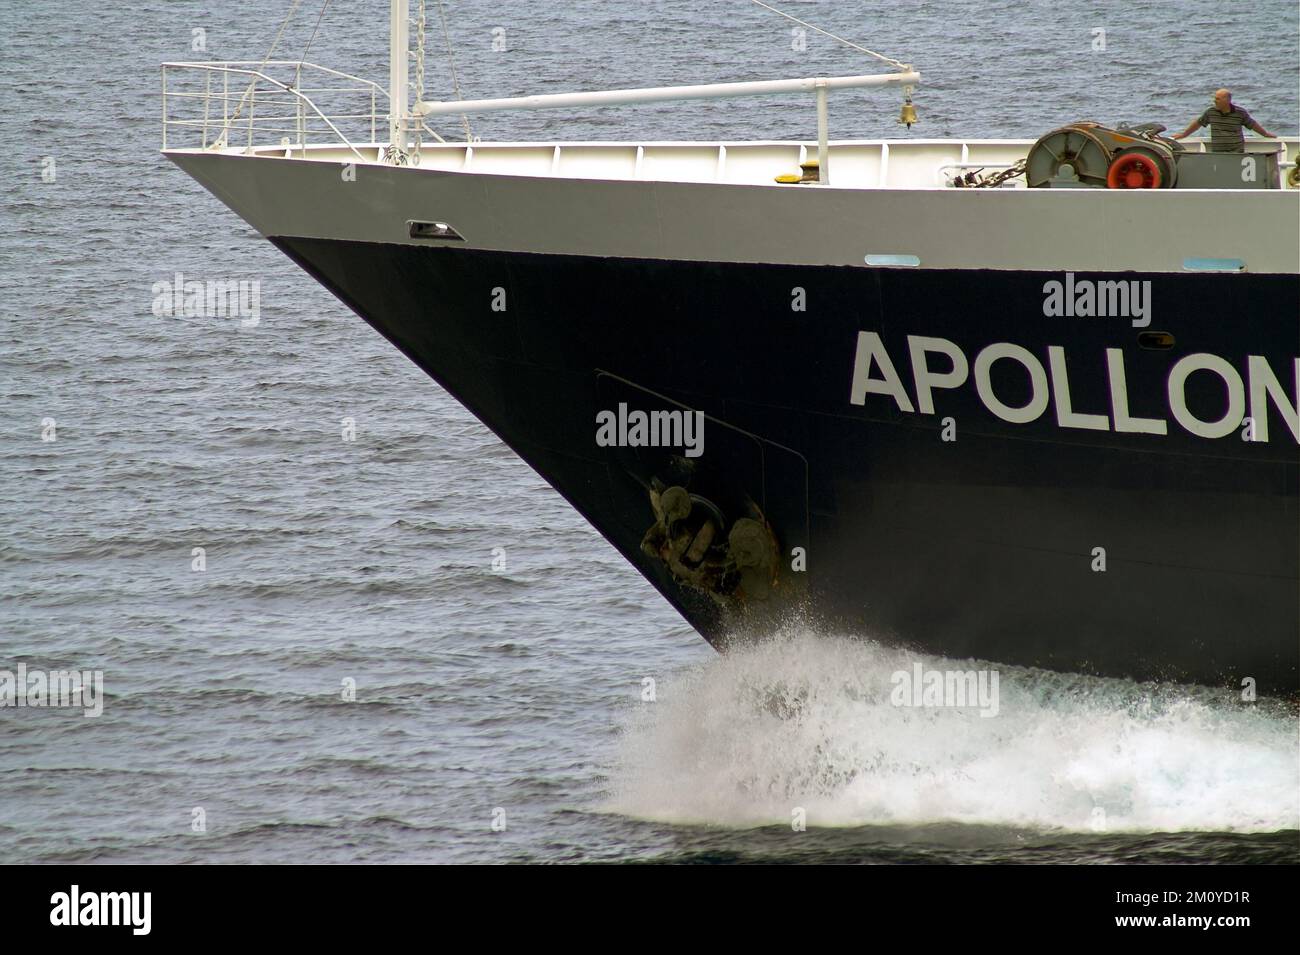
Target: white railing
(251, 103)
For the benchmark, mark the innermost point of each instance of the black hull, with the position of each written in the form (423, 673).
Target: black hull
(983, 546)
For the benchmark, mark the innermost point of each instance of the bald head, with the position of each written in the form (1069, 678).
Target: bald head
(1223, 100)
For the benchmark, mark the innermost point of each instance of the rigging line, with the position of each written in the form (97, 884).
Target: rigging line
(293, 8)
(451, 61)
(879, 56)
(307, 49)
(419, 71)
(419, 54)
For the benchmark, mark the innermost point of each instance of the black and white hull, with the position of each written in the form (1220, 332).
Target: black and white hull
(909, 389)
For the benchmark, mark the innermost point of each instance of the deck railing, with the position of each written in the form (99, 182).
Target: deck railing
(252, 103)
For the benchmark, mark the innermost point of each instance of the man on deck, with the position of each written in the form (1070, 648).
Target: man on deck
(1225, 119)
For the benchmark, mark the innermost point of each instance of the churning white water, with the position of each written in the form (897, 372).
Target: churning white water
(811, 723)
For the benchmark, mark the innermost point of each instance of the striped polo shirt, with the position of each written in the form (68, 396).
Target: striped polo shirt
(1226, 128)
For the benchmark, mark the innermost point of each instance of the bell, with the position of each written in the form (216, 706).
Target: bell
(907, 116)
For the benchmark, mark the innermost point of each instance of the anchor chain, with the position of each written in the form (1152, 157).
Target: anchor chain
(973, 179)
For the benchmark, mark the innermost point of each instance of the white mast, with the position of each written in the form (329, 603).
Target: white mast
(398, 66)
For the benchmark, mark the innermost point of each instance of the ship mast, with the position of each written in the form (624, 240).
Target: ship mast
(398, 53)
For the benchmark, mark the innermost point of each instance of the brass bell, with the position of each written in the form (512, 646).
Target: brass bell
(907, 116)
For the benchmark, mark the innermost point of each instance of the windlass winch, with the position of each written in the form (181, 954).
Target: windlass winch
(1090, 155)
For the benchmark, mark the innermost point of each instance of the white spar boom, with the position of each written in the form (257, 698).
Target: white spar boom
(655, 94)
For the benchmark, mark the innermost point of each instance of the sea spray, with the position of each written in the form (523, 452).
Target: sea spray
(805, 723)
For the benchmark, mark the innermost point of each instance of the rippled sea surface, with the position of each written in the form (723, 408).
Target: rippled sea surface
(512, 694)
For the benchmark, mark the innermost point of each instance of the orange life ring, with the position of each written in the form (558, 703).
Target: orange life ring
(1134, 171)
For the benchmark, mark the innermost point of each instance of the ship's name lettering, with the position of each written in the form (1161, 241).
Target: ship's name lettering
(1252, 389)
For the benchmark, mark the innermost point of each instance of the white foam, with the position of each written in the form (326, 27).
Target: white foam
(807, 721)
